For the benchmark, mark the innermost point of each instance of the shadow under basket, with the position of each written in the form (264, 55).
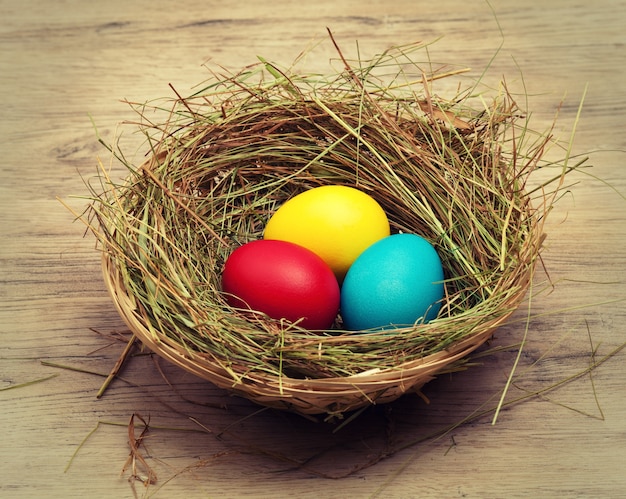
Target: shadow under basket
(215, 176)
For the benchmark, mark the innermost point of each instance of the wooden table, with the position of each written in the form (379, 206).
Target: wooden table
(561, 432)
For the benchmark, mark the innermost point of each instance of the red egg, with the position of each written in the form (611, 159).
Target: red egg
(284, 281)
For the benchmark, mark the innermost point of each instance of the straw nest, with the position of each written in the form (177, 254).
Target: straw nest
(225, 158)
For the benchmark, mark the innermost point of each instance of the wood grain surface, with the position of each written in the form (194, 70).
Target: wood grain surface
(561, 432)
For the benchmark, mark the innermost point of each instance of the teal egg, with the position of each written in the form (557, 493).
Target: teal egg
(395, 282)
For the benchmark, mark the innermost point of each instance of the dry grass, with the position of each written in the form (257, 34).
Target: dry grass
(222, 160)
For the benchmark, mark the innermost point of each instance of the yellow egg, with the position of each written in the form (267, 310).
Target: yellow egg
(336, 222)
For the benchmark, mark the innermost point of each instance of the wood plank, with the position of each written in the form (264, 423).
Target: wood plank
(62, 63)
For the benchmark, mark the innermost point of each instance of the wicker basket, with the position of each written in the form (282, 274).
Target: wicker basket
(486, 229)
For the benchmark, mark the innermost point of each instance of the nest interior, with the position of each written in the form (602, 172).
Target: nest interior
(227, 157)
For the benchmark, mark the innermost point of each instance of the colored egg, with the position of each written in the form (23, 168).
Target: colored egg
(336, 222)
(284, 281)
(396, 282)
